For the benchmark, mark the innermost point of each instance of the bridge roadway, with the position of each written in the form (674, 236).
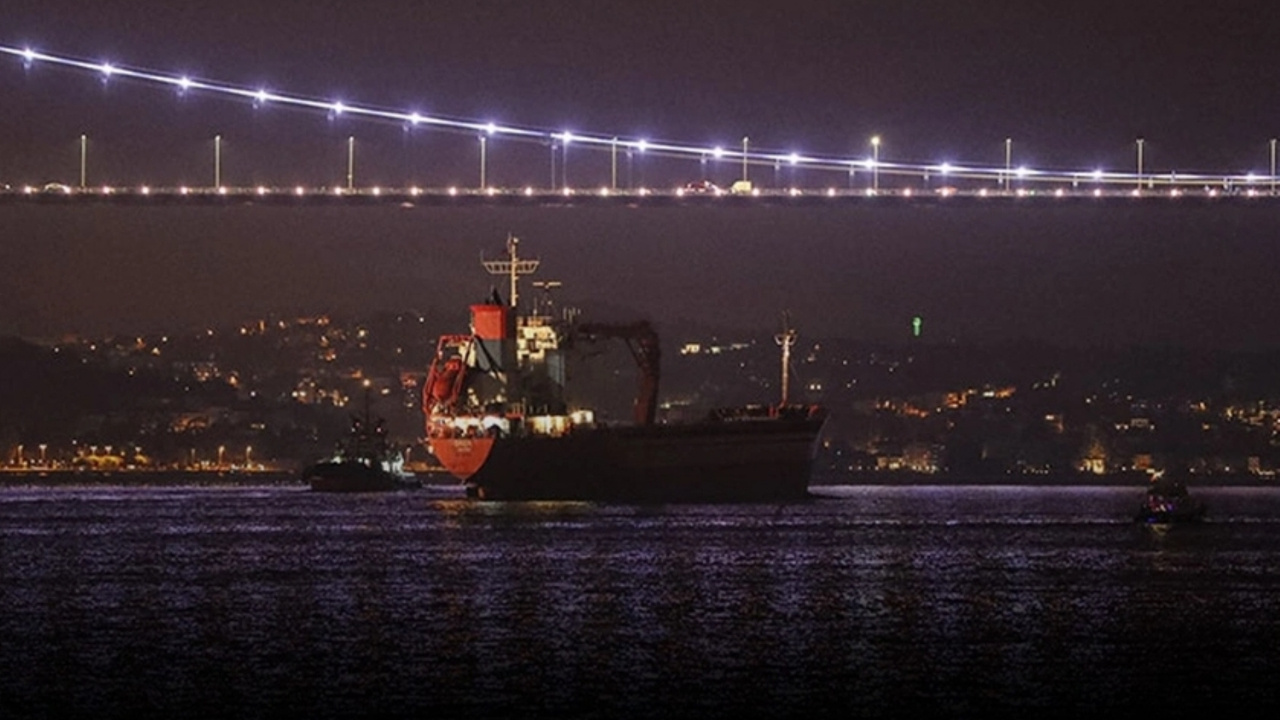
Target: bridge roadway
(65, 195)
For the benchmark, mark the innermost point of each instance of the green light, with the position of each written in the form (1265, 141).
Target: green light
(916, 323)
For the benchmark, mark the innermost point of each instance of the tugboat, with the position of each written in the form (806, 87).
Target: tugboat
(1167, 501)
(499, 419)
(364, 463)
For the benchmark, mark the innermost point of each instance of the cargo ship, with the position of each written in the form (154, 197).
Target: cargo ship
(497, 418)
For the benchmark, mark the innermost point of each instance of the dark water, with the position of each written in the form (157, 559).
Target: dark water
(263, 602)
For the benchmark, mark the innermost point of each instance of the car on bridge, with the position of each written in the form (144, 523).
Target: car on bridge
(701, 187)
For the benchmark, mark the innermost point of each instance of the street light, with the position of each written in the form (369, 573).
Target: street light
(351, 162)
(217, 161)
(482, 160)
(1273, 166)
(1008, 161)
(746, 140)
(875, 163)
(84, 146)
(1141, 142)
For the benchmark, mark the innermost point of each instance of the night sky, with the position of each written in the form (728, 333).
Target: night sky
(1073, 84)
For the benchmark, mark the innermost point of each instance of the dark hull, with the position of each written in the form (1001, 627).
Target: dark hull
(741, 461)
(352, 478)
(1181, 510)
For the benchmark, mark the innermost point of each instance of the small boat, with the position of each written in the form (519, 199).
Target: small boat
(365, 463)
(1167, 501)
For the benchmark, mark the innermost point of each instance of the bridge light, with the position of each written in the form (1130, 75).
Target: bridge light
(717, 152)
(453, 191)
(299, 191)
(106, 69)
(377, 191)
(184, 190)
(262, 190)
(184, 82)
(793, 158)
(28, 54)
(415, 191)
(566, 137)
(1023, 171)
(262, 96)
(337, 108)
(415, 118)
(1097, 192)
(145, 190)
(528, 192)
(944, 168)
(1097, 174)
(492, 128)
(642, 145)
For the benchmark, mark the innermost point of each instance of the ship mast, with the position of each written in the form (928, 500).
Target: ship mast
(785, 340)
(513, 267)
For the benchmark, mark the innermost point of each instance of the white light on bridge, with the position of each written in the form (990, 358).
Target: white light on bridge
(1059, 192)
(337, 191)
(106, 69)
(415, 191)
(1097, 174)
(184, 82)
(145, 190)
(415, 118)
(453, 191)
(377, 191)
(184, 190)
(262, 190)
(831, 192)
(717, 152)
(106, 189)
(492, 128)
(1097, 192)
(604, 192)
(299, 191)
(338, 108)
(222, 190)
(568, 192)
(944, 168)
(528, 192)
(982, 192)
(906, 192)
(793, 158)
(27, 189)
(262, 96)
(490, 191)
(28, 54)
(642, 145)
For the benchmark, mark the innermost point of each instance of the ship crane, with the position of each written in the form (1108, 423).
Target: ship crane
(642, 341)
(785, 339)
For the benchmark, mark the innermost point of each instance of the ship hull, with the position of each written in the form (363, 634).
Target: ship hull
(748, 461)
(352, 478)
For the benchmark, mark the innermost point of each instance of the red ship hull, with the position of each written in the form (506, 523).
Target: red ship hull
(757, 460)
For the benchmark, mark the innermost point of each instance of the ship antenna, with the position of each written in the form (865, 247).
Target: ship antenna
(513, 267)
(785, 340)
